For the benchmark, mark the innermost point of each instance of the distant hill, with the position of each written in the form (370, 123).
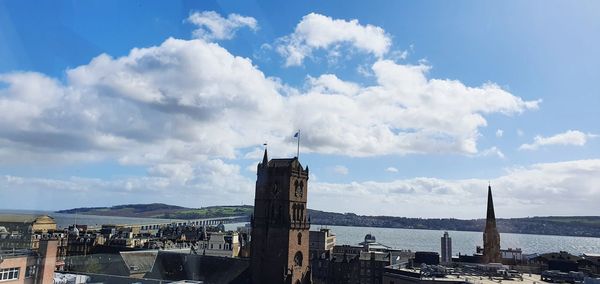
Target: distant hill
(588, 226)
(160, 210)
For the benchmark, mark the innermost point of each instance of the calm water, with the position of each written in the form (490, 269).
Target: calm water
(415, 240)
(463, 242)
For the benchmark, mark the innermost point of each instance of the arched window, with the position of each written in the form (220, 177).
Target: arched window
(295, 212)
(298, 259)
(299, 239)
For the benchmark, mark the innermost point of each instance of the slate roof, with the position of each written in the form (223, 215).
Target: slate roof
(105, 263)
(139, 261)
(210, 269)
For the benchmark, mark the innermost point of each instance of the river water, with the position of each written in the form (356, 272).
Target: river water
(463, 242)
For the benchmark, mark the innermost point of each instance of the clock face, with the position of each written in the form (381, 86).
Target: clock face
(299, 190)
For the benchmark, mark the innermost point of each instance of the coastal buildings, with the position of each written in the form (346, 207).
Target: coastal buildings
(280, 225)
(446, 248)
(491, 237)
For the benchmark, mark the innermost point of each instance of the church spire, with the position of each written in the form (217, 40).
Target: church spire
(491, 237)
(265, 159)
(490, 206)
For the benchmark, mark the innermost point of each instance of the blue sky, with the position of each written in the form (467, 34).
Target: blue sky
(406, 108)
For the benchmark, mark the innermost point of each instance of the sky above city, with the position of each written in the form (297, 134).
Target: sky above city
(405, 108)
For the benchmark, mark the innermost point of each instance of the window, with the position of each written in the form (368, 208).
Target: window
(30, 271)
(299, 238)
(9, 273)
(298, 259)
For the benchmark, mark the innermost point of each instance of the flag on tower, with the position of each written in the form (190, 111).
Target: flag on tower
(297, 135)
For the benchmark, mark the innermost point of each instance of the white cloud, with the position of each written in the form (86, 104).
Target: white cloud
(316, 31)
(405, 112)
(212, 26)
(185, 109)
(391, 170)
(331, 84)
(570, 137)
(499, 133)
(186, 100)
(340, 170)
(493, 151)
(563, 188)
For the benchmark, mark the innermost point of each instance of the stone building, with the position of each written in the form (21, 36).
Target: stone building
(280, 225)
(24, 231)
(224, 244)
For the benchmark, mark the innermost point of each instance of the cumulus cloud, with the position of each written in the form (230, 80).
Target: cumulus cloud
(181, 100)
(186, 100)
(391, 170)
(562, 188)
(185, 110)
(331, 84)
(212, 26)
(316, 31)
(569, 137)
(405, 112)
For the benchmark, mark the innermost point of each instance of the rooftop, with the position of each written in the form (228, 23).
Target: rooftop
(139, 261)
(473, 277)
(281, 162)
(15, 253)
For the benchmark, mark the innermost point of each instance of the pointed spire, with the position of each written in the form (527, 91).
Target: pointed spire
(491, 237)
(265, 159)
(490, 205)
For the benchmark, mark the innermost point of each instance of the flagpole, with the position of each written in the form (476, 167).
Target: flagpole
(298, 149)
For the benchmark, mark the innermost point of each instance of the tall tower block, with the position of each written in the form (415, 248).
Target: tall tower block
(280, 225)
(446, 247)
(491, 237)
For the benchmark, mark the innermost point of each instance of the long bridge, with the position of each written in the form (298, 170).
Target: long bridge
(193, 222)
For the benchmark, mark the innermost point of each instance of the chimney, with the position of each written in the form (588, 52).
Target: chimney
(47, 251)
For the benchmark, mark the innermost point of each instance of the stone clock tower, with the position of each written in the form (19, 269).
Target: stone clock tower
(280, 225)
